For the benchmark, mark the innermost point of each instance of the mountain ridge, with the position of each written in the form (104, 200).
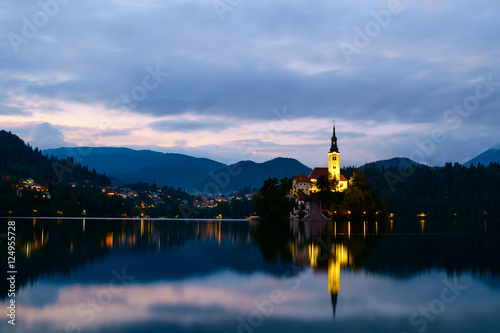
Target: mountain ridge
(253, 174)
(486, 157)
(204, 175)
(403, 162)
(179, 170)
(19, 159)
(148, 157)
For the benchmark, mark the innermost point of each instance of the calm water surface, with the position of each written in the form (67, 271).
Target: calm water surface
(233, 276)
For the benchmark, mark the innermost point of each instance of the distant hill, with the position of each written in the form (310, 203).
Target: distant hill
(452, 190)
(130, 165)
(249, 173)
(20, 160)
(178, 170)
(491, 155)
(393, 162)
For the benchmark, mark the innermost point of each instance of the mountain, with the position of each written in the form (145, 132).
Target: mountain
(248, 173)
(178, 170)
(32, 184)
(491, 155)
(394, 162)
(20, 160)
(130, 165)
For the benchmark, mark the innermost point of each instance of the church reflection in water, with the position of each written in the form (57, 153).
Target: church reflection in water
(323, 249)
(338, 258)
(400, 249)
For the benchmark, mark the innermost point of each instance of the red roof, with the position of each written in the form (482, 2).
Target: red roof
(323, 171)
(318, 172)
(302, 178)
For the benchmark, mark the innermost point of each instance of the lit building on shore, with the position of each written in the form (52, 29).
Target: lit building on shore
(308, 184)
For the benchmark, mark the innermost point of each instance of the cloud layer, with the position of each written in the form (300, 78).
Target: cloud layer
(163, 73)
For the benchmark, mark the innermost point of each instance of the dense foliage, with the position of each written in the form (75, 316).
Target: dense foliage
(273, 232)
(271, 202)
(66, 188)
(357, 201)
(408, 190)
(451, 190)
(20, 160)
(73, 188)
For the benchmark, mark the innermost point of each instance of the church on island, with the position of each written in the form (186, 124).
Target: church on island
(307, 185)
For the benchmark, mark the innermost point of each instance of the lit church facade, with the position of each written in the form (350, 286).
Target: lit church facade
(307, 184)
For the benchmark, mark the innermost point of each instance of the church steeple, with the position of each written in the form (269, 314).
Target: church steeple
(334, 302)
(334, 158)
(334, 147)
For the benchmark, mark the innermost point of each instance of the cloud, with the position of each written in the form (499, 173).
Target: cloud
(262, 56)
(8, 110)
(45, 136)
(185, 125)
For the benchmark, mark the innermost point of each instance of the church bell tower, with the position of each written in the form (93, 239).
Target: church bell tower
(334, 157)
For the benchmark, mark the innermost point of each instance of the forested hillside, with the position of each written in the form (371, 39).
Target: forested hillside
(32, 184)
(18, 159)
(453, 189)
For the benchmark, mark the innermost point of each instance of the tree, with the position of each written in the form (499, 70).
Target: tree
(358, 180)
(357, 201)
(328, 187)
(271, 202)
(326, 183)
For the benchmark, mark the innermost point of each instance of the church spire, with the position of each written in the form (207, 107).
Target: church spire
(334, 147)
(334, 302)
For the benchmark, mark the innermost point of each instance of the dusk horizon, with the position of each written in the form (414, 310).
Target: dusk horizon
(250, 166)
(228, 161)
(248, 80)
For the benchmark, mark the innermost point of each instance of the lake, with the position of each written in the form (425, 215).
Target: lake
(153, 275)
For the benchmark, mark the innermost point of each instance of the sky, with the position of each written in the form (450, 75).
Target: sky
(255, 79)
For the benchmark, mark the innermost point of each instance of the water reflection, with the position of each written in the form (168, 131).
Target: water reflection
(400, 252)
(47, 247)
(203, 275)
(339, 257)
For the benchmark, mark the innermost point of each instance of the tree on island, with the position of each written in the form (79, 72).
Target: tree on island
(328, 187)
(271, 203)
(326, 183)
(357, 201)
(273, 206)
